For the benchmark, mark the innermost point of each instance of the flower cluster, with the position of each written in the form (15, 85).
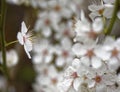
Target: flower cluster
(90, 58)
(52, 48)
(97, 60)
(104, 8)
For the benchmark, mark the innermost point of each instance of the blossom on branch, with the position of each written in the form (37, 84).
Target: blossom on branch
(24, 39)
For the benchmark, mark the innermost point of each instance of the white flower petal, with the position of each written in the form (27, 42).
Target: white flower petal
(113, 64)
(27, 52)
(91, 83)
(23, 28)
(28, 45)
(76, 63)
(37, 59)
(108, 11)
(85, 61)
(77, 83)
(46, 31)
(98, 25)
(20, 38)
(101, 53)
(95, 7)
(12, 58)
(93, 15)
(101, 88)
(96, 62)
(48, 58)
(78, 49)
(65, 85)
(60, 61)
(109, 1)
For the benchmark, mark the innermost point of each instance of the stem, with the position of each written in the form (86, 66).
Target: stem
(11, 43)
(2, 36)
(113, 19)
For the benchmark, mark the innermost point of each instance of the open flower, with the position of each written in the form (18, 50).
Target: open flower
(100, 10)
(24, 39)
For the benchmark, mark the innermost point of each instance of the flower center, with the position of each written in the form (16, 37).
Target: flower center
(45, 52)
(24, 38)
(101, 11)
(57, 8)
(54, 80)
(45, 71)
(90, 53)
(66, 32)
(47, 22)
(92, 34)
(65, 54)
(115, 52)
(74, 75)
(98, 79)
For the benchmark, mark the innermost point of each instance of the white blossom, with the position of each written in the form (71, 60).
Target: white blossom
(24, 39)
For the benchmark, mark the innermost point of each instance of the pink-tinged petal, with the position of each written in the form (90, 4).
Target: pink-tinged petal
(23, 28)
(20, 38)
(27, 52)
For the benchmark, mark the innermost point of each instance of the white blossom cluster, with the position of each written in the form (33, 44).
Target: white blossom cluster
(104, 8)
(97, 60)
(90, 58)
(52, 48)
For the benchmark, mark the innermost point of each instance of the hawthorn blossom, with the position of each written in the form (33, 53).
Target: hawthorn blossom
(104, 10)
(111, 46)
(64, 53)
(43, 52)
(24, 39)
(73, 77)
(46, 22)
(85, 31)
(47, 79)
(65, 30)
